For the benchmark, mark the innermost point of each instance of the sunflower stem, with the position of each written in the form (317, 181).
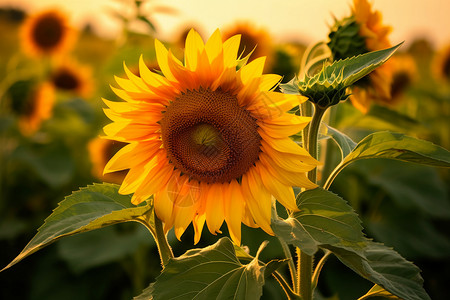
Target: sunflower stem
(320, 264)
(164, 249)
(291, 264)
(287, 289)
(305, 262)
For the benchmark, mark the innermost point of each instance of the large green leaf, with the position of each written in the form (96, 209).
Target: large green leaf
(324, 218)
(93, 207)
(395, 146)
(385, 267)
(213, 272)
(378, 291)
(345, 143)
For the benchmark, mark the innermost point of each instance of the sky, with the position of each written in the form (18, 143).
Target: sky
(303, 20)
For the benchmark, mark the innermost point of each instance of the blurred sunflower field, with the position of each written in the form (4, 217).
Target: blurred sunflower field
(63, 119)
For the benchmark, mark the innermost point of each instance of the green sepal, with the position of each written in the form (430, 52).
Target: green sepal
(329, 86)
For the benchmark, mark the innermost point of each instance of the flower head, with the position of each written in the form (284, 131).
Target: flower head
(254, 40)
(360, 33)
(47, 33)
(441, 64)
(70, 76)
(100, 152)
(404, 74)
(33, 103)
(210, 143)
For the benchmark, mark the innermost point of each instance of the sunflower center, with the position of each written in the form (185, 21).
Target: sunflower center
(446, 67)
(48, 32)
(65, 80)
(208, 136)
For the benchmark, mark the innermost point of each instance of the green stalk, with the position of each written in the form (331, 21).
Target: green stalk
(291, 264)
(305, 262)
(287, 289)
(164, 250)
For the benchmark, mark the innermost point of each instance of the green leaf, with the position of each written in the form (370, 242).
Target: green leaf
(53, 163)
(213, 272)
(355, 68)
(378, 291)
(99, 247)
(90, 208)
(385, 267)
(324, 218)
(395, 146)
(345, 143)
(274, 265)
(328, 86)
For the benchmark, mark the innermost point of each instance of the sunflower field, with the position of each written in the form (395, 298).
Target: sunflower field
(227, 165)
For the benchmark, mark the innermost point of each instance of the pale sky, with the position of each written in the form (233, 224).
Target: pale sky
(307, 19)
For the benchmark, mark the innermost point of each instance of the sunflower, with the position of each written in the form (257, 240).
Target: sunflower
(360, 33)
(73, 77)
(47, 33)
(253, 39)
(36, 105)
(100, 152)
(210, 143)
(441, 64)
(404, 75)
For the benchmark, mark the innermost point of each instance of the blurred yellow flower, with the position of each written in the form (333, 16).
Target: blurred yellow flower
(209, 142)
(73, 77)
(376, 38)
(38, 107)
(360, 33)
(441, 64)
(253, 39)
(405, 73)
(47, 33)
(100, 152)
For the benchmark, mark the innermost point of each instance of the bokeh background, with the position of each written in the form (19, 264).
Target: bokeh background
(51, 117)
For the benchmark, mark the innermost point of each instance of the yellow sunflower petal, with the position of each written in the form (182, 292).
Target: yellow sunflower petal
(252, 70)
(282, 192)
(214, 48)
(269, 82)
(230, 51)
(156, 179)
(162, 57)
(198, 223)
(127, 85)
(258, 199)
(214, 208)
(131, 155)
(194, 46)
(233, 210)
(135, 79)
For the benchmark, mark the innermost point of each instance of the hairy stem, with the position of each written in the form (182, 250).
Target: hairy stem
(305, 262)
(165, 252)
(287, 289)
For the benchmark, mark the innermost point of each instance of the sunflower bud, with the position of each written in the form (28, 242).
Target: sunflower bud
(345, 40)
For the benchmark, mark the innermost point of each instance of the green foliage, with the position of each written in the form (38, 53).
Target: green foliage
(324, 218)
(328, 87)
(378, 291)
(345, 143)
(395, 146)
(385, 267)
(213, 272)
(90, 208)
